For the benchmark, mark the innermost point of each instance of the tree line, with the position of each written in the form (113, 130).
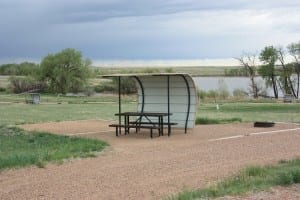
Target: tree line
(67, 71)
(22, 69)
(278, 73)
(62, 72)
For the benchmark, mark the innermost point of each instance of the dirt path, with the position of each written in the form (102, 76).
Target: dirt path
(137, 167)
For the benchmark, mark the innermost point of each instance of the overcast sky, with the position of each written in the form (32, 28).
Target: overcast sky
(145, 29)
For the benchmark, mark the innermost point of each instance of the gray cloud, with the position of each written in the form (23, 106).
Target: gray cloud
(89, 11)
(101, 11)
(136, 29)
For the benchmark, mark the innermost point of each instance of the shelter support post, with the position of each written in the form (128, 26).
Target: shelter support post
(168, 87)
(189, 103)
(120, 108)
(143, 93)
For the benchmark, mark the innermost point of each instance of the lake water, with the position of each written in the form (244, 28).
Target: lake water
(231, 83)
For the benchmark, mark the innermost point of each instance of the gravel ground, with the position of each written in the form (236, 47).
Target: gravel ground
(138, 167)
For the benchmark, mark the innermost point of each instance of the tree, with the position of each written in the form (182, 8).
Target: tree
(248, 61)
(269, 56)
(294, 50)
(25, 84)
(128, 85)
(286, 74)
(65, 71)
(22, 69)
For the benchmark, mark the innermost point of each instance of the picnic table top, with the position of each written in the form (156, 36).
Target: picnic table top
(143, 114)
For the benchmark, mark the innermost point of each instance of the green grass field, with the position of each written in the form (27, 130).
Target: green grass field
(250, 179)
(25, 113)
(82, 108)
(46, 98)
(250, 112)
(20, 148)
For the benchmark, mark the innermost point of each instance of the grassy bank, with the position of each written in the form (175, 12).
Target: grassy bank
(194, 71)
(251, 179)
(201, 120)
(20, 148)
(250, 112)
(57, 99)
(82, 108)
(24, 113)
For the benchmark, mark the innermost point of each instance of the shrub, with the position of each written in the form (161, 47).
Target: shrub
(255, 171)
(239, 93)
(296, 176)
(150, 70)
(127, 85)
(285, 178)
(201, 120)
(105, 87)
(202, 94)
(22, 69)
(235, 72)
(25, 84)
(169, 70)
(89, 91)
(212, 94)
(205, 120)
(2, 89)
(223, 90)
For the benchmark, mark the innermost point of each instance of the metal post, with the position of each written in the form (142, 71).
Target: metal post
(168, 85)
(119, 89)
(142, 91)
(139, 119)
(189, 102)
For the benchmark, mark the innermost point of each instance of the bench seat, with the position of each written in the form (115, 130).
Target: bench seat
(119, 126)
(153, 123)
(139, 125)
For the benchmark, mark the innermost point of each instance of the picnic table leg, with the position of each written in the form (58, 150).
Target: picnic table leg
(169, 129)
(161, 124)
(126, 122)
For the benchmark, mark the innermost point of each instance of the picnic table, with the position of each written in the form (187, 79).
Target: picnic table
(154, 120)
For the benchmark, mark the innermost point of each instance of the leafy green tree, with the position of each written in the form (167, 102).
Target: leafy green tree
(8, 69)
(22, 69)
(65, 71)
(269, 56)
(128, 85)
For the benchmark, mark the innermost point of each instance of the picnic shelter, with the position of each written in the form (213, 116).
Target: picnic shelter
(164, 100)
